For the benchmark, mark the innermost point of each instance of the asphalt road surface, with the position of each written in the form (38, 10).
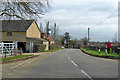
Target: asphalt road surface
(68, 63)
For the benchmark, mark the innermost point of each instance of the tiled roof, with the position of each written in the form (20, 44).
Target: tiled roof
(16, 25)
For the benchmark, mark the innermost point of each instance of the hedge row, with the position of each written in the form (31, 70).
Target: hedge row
(39, 47)
(54, 47)
(114, 48)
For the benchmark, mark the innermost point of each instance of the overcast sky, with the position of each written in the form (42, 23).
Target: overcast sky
(75, 16)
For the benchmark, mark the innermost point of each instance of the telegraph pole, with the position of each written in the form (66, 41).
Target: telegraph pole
(88, 34)
(47, 28)
(54, 31)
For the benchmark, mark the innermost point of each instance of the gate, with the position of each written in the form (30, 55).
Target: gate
(8, 48)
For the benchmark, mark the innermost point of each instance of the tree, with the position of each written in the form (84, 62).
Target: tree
(85, 41)
(75, 43)
(47, 28)
(23, 10)
(41, 28)
(66, 39)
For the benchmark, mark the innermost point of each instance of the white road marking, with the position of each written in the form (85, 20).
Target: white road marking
(31, 61)
(21, 63)
(27, 61)
(24, 62)
(69, 58)
(86, 75)
(15, 70)
(16, 66)
(74, 63)
(9, 74)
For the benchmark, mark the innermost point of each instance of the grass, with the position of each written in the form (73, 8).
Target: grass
(14, 57)
(51, 50)
(102, 54)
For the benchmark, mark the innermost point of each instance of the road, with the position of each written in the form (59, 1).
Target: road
(68, 63)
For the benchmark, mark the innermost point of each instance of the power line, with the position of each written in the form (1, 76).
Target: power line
(106, 18)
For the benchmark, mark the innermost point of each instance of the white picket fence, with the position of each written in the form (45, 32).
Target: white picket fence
(8, 48)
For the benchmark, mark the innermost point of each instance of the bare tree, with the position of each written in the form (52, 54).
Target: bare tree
(85, 41)
(41, 28)
(47, 28)
(23, 10)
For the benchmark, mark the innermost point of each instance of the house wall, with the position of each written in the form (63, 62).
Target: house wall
(33, 31)
(16, 36)
(47, 45)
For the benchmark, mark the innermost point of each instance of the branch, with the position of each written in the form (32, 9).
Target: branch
(11, 15)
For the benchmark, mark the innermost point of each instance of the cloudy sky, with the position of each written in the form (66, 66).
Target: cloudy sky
(75, 16)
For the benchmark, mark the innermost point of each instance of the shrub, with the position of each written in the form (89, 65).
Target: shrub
(39, 47)
(54, 47)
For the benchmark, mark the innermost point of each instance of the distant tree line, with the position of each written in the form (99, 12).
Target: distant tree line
(73, 43)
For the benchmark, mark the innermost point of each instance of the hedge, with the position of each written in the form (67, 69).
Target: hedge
(39, 47)
(102, 48)
(55, 47)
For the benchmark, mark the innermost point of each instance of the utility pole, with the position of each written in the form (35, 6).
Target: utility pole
(54, 31)
(88, 34)
(47, 28)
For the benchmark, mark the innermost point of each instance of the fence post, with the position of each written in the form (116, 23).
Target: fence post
(21, 51)
(99, 50)
(110, 50)
(5, 53)
(15, 52)
(12, 49)
(106, 50)
(2, 47)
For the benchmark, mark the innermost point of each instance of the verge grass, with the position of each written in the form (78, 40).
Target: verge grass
(102, 53)
(14, 57)
(51, 50)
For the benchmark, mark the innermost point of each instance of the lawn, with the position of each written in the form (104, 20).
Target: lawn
(102, 54)
(14, 57)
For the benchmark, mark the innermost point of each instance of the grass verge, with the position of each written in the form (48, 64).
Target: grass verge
(102, 54)
(51, 50)
(4, 60)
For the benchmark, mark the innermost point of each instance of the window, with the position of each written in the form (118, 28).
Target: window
(9, 33)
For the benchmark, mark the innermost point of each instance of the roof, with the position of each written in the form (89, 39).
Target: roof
(16, 25)
(35, 39)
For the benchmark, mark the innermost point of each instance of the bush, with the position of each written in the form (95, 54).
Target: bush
(39, 47)
(54, 47)
(114, 48)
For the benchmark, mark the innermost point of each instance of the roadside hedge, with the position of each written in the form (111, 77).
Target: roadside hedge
(102, 48)
(39, 47)
(55, 47)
